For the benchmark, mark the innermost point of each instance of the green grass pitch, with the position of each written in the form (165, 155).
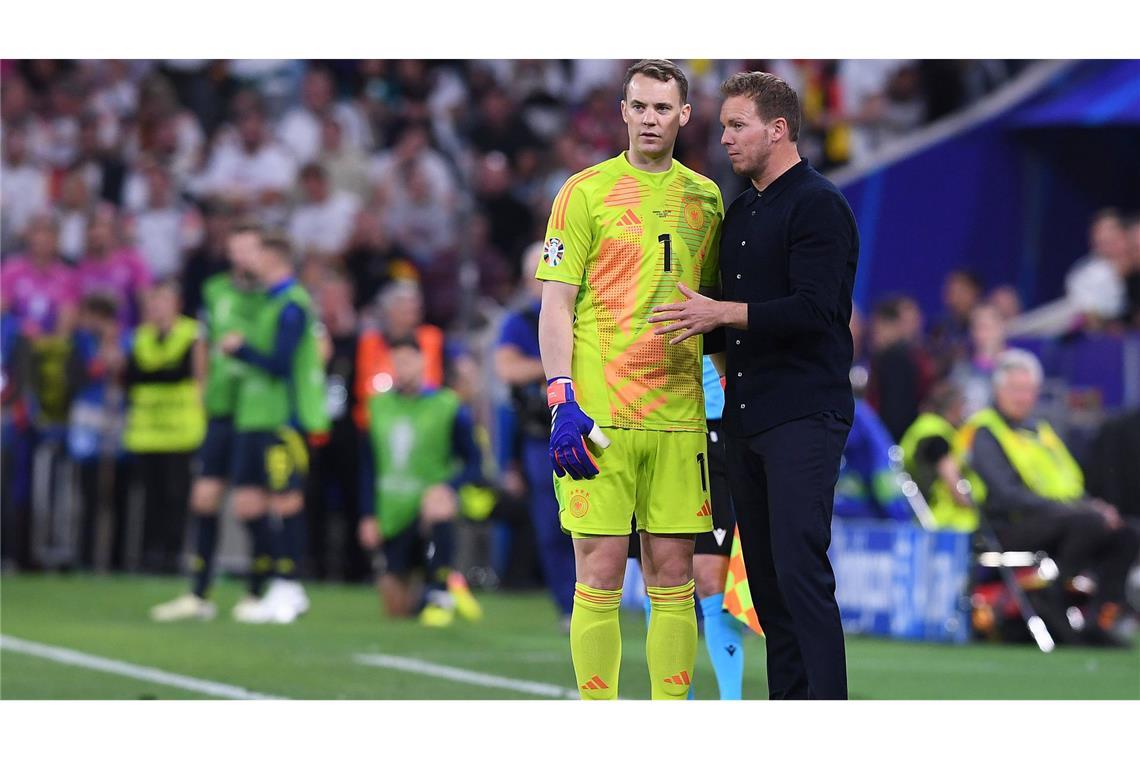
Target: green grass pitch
(519, 639)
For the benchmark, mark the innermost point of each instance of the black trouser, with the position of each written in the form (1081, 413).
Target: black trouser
(332, 494)
(1078, 541)
(783, 486)
(165, 481)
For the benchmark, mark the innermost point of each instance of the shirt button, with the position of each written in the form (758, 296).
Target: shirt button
(738, 277)
(738, 342)
(742, 406)
(742, 242)
(740, 374)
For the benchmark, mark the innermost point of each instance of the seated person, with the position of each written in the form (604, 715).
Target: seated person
(409, 485)
(1034, 494)
(930, 458)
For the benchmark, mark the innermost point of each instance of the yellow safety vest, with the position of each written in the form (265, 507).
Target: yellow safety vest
(164, 417)
(1039, 457)
(948, 514)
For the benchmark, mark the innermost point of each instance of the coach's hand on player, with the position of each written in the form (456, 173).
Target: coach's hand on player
(695, 315)
(569, 428)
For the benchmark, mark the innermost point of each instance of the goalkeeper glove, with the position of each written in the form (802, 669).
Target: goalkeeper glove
(569, 428)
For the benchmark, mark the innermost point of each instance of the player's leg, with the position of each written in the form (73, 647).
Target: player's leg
(396, 557)
(596, 513)
(446, 591)
(287, 464)
(214, 463)
(250, 499)
(723, 632)
(678, 508)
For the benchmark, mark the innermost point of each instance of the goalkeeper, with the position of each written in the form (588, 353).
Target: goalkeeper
(623, 236)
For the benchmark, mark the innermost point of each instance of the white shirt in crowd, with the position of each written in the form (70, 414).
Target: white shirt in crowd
(23, 194)
(324, 227)
(161, 237)
(1094, 286)
(384, 174)
(300, 131)
(233, 171)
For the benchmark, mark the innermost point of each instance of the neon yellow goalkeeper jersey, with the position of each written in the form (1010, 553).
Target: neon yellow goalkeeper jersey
(627, 237)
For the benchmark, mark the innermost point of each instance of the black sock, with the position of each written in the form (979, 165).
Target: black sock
(261, 553)
(290, 545)
(205, 542)
(440, 552)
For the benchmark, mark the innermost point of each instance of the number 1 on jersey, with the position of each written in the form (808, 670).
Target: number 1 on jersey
(668, 245)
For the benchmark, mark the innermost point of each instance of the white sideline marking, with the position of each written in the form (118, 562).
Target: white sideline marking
(485, 680)
(138, 672)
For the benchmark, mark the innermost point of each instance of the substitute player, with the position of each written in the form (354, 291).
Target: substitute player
(280, 401)
(231, 299)
(623, 236)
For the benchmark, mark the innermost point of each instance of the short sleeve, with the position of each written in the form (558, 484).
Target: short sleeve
(710, 270)
(569, 236)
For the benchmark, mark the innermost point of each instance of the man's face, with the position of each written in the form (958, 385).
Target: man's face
(653, 114)
(1109, 240)
(407, 369)
(42, 240)
(747, 138)
(403, 314)
(1016, 396)
(315, 187)
(242, 249)
(960, 295)
(161, 306)
(252, 129)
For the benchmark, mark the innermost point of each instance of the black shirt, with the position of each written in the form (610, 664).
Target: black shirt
(789, 252)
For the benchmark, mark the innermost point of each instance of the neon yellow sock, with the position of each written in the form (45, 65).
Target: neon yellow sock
(595, 641)
(671, 645)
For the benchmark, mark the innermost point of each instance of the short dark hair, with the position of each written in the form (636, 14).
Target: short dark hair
(170, 282)
(244, 225)
(405, 342)
(970, 276)
(888, 307)
(774, 98)
(313, 170)
(102, 305)
(661, 70)
(278, 244)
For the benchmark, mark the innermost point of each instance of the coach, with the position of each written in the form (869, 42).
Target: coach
(788, 252)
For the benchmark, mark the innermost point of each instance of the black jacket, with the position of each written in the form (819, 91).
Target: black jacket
(790, 253)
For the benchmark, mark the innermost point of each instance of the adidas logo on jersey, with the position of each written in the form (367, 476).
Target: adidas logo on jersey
(628, 219)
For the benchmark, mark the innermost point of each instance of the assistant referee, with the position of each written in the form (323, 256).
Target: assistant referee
(788, 252)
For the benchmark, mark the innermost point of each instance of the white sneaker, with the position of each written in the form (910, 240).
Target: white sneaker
(283, 603)
(248, 610)
(185, 607)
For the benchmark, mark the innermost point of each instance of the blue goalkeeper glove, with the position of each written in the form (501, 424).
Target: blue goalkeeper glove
(569, 428)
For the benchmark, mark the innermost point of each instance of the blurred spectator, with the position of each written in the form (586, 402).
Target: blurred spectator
(973, 376)
(24, 192)
(512, 223)
(206, 260)
(1132, 281)
(373, 259)
(930, 457)
(412, 154)
(64, 105)
(300, 129)
(1094, 285)
(401, 317)
(103, 170)
(166, 228)
(252, 170)
(36, 287)
(110, 268)
(345, 164)
(164, 130)
(165, 420)
(1034, 495)
(76, 205)
(900, 373)
(322, 223)
(499, 128)
(419, 221)
(332, 488)
(950, 337)
(519, 366)
(1005, 299)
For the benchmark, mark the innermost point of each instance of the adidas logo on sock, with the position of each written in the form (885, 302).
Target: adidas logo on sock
(680, 679)
(594, 684)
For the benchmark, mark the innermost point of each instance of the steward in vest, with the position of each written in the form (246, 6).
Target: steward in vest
(1034, 495)
(401, 307)
(418, 451)
(165, 420)
(230, 302)
(931, 456)
(280, 400)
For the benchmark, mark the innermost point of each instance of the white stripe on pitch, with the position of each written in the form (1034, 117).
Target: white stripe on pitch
(138, 672)
(459, 675)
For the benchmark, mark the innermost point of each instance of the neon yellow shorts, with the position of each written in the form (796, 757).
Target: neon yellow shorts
(661, 478)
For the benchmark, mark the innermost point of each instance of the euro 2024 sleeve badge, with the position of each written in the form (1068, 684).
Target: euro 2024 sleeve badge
(552, 252)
